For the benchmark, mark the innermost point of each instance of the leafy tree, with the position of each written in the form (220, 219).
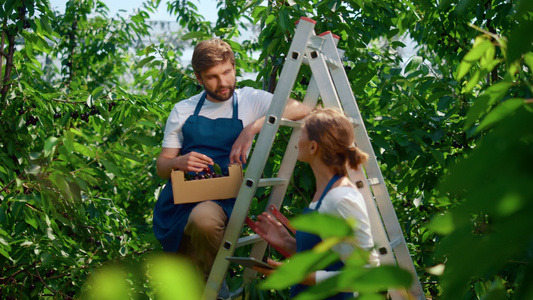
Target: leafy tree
(83, 105)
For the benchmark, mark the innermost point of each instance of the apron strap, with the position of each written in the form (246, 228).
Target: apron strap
(200, 104)
(235, 107)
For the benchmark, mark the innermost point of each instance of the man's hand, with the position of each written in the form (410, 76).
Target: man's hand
(239, 151)
(169, 160)
(193, 162)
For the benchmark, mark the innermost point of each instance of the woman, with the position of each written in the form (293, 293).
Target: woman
(327, 144)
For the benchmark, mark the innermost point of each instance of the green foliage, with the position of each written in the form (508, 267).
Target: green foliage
(356, 276)
(83, 105)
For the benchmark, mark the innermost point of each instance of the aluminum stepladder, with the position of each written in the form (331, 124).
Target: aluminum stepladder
(330, 83)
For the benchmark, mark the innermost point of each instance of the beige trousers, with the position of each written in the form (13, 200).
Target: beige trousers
(203, 234)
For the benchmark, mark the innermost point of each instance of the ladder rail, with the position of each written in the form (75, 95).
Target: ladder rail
(372, 169)
(286, 170)
(257, 162)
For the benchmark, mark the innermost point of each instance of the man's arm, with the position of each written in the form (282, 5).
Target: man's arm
(169, 159)
(294, 110)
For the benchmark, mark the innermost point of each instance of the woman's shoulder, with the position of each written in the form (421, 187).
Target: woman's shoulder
(344, 194)
(344, 190)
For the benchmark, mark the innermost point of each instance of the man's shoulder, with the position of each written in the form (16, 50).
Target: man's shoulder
(251, 92)
(192, 101)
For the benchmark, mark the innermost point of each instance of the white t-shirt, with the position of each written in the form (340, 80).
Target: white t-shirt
(347, 202)
(253, 104)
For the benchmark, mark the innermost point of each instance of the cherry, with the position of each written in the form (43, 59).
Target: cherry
(31, 120)
(74, 114)
(111, 105)
(85, 117)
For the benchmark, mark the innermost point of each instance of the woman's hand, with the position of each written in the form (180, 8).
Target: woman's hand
(275, 233)
(267, 272)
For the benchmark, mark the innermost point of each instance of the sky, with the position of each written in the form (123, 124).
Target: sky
(206, 8)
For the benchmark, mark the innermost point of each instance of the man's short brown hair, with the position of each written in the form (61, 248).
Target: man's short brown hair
(210, 53)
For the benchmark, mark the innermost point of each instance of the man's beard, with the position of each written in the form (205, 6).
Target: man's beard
(214, 94)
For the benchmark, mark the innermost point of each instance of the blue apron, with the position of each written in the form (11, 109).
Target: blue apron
(212, 137)
(306, 241)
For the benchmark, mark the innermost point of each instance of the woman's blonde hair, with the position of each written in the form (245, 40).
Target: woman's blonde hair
(210, 53)
(334, 134)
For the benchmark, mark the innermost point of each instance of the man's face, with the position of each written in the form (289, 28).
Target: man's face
(218, 81)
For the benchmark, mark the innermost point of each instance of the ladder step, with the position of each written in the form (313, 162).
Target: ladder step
(354, 122)
(299, 124)
(271, 182)
(290, 123)
(247, 240)
(395, 242)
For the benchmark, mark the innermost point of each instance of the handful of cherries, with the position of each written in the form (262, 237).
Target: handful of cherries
(206, 174)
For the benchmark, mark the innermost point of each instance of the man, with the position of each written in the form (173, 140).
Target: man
(215, 126)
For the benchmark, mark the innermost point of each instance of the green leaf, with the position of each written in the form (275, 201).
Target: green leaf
(323, 225)
(169, 284)
(480, 289)
(46, 258)
(413, 63)
(144, 61)
(464, 68)
(472, 82)
(492, 95)
(258, 13)
(193, 35)
(500, 112)
(108, 282)
(442, 224)
(520, 39)
(49, 144)
(148, 141)
(84, 150)
(379, 278)
(46, 24)
(129, 155)
(112, 168)
(68, 140)
(61, 183)
(295, 269)
(30, 219)
(97, 92)
(439, 157)
(478, 50)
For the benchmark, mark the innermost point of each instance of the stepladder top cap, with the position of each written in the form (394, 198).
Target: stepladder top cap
(306, 19)
(329, 32)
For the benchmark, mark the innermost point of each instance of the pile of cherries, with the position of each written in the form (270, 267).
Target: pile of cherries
(206, 174)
